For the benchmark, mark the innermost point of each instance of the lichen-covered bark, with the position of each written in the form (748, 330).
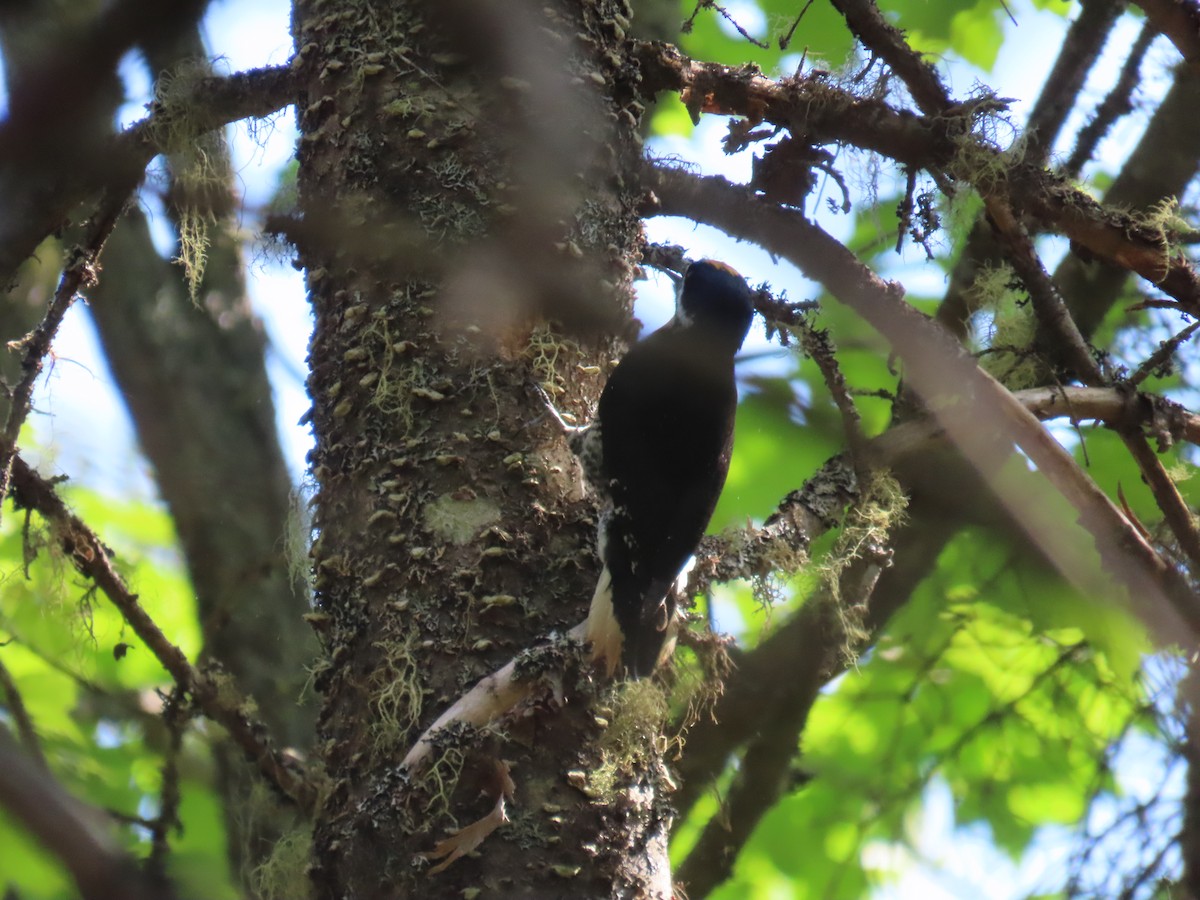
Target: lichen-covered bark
(440, 204)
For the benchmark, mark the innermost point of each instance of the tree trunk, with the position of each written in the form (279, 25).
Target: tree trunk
(452, 530)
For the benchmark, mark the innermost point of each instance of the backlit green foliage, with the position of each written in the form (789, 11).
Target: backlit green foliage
(90, 687)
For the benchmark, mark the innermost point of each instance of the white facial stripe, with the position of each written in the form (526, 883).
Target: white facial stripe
(681, 316)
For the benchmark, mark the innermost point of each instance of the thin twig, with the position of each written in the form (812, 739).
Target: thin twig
(1163, 354)
(176, 715)
(1060, 332)
(820, 349)
(79, 273)
(905, 210)
(786, 40)
(725, 14)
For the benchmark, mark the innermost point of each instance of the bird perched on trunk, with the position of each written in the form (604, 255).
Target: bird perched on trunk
(657, 453)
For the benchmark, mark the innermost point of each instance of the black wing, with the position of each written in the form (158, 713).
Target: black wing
(666, 418)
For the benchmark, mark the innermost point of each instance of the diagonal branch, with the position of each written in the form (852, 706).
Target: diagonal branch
(80, 272)
(887, 42)
(1118, 102)
(219, 701)
(1179, 20)
(35, 207)
(973, 408)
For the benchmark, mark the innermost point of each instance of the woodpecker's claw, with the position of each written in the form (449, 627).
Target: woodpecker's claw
(567, 428)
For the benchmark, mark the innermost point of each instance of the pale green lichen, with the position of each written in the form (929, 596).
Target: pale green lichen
(458, 521)
(634, 733)
(284, 874)
(1010, 356)
(397, 700)
(868, 524)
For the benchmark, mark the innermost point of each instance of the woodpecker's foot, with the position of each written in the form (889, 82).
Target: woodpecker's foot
(568, 428)
(606, 650)
(565, 420)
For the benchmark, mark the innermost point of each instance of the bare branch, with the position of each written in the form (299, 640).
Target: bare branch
(1179, 20)
(1118, 102)
(79, 273)
(819, 347)
(176, 716)
(887, 42)
(1161, 356)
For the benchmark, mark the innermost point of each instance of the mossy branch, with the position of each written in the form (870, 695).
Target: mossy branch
(825, 113)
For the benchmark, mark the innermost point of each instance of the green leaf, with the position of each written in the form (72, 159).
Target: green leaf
(934, 26)
(977, 33)
(821, 34)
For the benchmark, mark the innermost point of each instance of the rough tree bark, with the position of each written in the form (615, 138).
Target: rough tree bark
(463, 183)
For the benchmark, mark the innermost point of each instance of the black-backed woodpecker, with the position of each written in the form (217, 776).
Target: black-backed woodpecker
(657, 453)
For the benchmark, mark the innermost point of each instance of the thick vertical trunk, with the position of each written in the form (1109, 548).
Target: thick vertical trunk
(462, 182)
